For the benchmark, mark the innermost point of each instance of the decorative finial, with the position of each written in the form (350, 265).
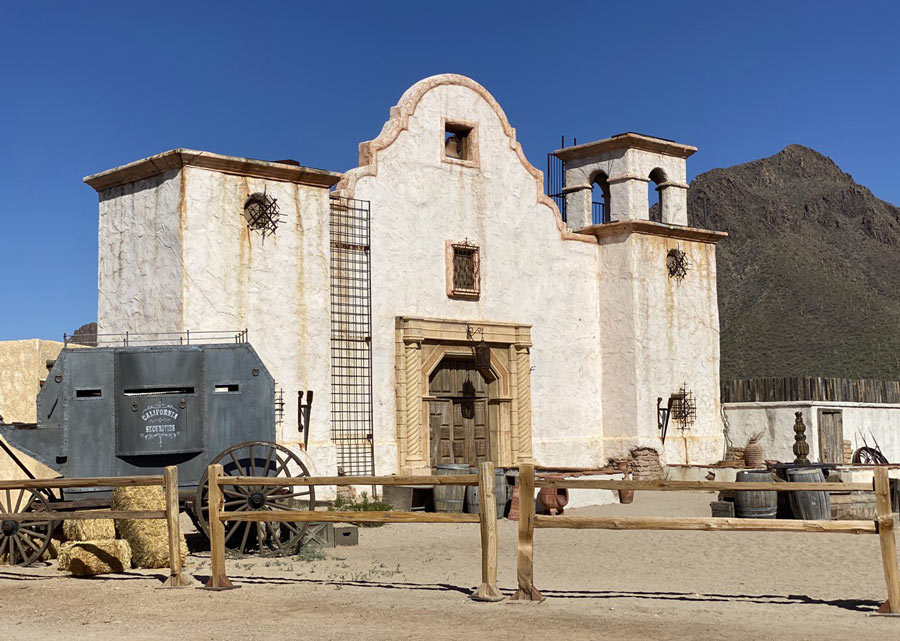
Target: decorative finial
(801, 447)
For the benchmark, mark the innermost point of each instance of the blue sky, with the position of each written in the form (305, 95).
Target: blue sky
(88, 86)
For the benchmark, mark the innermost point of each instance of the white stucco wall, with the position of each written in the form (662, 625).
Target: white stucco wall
(861, 421)
(659, 334)
(140, 255)
(180, 256)
(529, 273)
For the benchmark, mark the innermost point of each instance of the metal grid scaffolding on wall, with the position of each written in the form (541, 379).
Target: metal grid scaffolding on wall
(351, 336)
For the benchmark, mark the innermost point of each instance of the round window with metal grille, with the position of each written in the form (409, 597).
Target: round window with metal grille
(262, 214)
(676, 264)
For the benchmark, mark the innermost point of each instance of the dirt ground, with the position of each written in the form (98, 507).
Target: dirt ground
(412, 582)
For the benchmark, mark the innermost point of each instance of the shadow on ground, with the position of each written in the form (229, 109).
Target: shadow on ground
(854, 605)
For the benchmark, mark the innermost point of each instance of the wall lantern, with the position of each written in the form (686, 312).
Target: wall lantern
(482, 356)
(482, 350)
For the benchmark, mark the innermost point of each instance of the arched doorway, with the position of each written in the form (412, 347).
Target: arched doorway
(459, 425)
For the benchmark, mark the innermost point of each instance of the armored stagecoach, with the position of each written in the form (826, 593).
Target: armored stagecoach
(132, 409)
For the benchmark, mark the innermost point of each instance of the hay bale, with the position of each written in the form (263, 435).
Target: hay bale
(87, 558)
(89, 529)
(148, 538)
(52, 551)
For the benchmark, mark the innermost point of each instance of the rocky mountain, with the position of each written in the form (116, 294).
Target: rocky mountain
(809, 278)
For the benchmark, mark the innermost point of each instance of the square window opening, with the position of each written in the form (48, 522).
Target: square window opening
(458, 141)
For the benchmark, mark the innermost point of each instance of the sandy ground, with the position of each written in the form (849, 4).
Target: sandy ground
(412, 582)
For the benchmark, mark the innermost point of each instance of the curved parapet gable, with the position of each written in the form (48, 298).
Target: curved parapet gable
(399, 122)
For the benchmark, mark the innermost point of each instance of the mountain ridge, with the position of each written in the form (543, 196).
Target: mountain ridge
(807, 278)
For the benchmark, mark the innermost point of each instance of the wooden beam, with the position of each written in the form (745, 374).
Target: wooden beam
(219, 579)
(106, 481)
(525, 546)
(701, 486)
(886, 538)
(83, 515)
(450, 479)
(297, 516)
(487, 512)
(703, 523)
(176, 578)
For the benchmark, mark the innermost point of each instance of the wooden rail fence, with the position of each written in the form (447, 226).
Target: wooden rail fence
(528, 521)
(169, 481)
(883, 525)
(487, 516)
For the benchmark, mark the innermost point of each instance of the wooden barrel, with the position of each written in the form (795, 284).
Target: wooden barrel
(755, 504)
(809, 506)
(500, 493)
(450, 498)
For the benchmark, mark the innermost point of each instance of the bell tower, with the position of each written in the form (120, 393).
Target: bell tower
(622, 167)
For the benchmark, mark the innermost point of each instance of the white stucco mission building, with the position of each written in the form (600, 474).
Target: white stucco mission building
(433, 297)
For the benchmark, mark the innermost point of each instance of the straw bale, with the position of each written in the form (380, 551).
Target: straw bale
(87, 558)
(52, 550)
(89, 529)
(149, 538)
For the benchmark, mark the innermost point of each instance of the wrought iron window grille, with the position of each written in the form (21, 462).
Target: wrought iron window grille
(262, 214)
(677, 264)
(465, 267)
(681, 408)
(684, 408)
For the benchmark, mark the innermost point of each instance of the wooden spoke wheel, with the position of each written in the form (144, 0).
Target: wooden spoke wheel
(24, 541)
(259, 458)
(869, 456)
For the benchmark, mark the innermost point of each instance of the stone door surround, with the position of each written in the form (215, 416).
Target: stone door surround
(421, 345)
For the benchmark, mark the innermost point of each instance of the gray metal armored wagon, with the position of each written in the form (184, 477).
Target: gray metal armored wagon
(131, 410)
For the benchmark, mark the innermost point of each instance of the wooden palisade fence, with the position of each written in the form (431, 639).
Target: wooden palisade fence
(487, 516)
(528, 521)
(169, 481)
(810, 388)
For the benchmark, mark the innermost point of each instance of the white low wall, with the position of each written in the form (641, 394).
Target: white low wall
(864, 423)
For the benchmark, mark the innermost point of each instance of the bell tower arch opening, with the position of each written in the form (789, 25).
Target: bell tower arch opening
(599, 198)
(656, 194)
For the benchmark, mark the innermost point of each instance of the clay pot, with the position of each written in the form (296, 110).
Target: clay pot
(625, 496)
(553, 499)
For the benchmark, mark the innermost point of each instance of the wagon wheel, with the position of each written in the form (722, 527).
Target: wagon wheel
(869, 456)
(23, 542)
(259, 458)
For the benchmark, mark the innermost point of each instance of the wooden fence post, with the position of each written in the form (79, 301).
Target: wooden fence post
(218, 580)
(176, 578)
(525, 548)
(487, 511)
(886, 538)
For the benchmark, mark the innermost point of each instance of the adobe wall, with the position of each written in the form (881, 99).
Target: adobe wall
(533, 272)
(176, 254)
(658, 333)
(23, 364)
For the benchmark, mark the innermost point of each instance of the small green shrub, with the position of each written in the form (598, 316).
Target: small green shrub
(365, 504)
(310, 552)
